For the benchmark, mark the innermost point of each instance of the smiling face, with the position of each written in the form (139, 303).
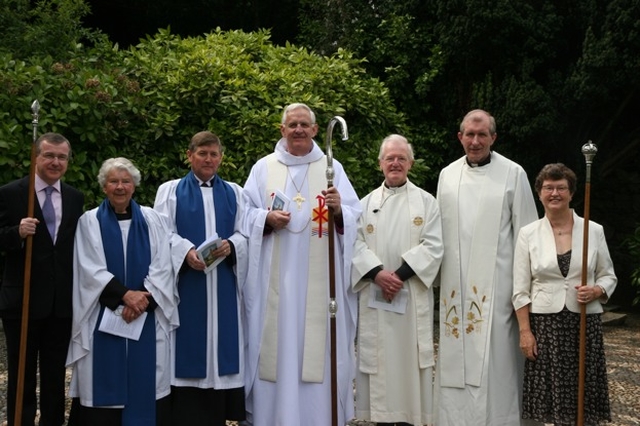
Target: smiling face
(395, 162)
(555, 195)
(119, 187)
(299, 130)
(477, 136)
(52, 161)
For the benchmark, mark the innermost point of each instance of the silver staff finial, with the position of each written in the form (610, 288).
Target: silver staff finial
(35, 107)
(35, 112)
(589, 151)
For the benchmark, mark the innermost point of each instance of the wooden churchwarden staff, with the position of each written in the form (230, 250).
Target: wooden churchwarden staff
(333, 306)
(35, 109)
(589, 151)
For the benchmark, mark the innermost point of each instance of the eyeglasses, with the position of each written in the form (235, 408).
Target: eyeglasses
(549, 189)
(391, 159)
(293, 125)
(50, 157)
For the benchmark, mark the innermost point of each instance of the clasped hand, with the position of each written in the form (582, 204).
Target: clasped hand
(389, 282)
(135, 303)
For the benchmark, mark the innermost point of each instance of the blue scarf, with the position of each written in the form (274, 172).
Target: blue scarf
(191, 336)
(124, 370)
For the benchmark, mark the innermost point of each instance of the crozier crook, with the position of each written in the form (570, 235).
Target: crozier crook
(333, 306)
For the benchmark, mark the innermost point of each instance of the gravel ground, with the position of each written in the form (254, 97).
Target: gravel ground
(623, 364)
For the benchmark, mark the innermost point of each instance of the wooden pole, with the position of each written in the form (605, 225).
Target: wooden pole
(333, 306)
(22, 358)
(589, 150)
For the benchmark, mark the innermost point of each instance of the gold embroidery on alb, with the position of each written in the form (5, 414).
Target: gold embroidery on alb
(370, 228)
(417, 221)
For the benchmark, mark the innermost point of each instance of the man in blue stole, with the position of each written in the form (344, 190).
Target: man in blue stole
(208, 381)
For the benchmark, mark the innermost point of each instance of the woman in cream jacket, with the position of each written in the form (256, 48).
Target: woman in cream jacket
(547, 297)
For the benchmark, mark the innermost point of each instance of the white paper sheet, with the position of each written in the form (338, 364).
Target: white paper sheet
(398, 304)
(113, 323)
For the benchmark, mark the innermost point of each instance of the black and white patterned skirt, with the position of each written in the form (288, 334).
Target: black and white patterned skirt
(550, 393)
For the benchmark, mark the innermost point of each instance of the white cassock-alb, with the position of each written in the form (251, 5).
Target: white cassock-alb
(165, 203)
(89, 280)
(286, 295)
(394, 381)
(480, 367)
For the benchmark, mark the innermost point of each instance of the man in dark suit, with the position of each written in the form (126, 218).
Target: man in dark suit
(56, 213)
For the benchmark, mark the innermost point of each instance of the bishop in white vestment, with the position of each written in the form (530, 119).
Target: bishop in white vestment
(484, 200)
(286, 296)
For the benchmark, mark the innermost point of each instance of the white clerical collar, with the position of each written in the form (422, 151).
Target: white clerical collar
(394, 189)
(203, 183)
(293, 160)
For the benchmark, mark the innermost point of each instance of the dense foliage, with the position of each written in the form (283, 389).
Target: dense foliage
(145, 103)
(43, 27)
(555, 74)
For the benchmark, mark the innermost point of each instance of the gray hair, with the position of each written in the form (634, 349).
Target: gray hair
(395, 138)
(295, 106)
(119, 163)
(470, 116)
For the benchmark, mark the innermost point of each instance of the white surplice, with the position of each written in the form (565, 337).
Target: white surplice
(165, 203)
(394, 381)
(287, 385)
(480, 367)
(89, 280)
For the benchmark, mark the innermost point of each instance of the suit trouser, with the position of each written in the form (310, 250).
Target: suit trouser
(47, 345)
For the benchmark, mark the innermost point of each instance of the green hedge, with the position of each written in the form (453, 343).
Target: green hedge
(145, 103)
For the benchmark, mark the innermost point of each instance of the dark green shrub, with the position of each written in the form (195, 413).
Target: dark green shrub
(145, 103)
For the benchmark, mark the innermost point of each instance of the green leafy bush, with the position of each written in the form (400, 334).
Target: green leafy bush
(43, 27)
(145, 103)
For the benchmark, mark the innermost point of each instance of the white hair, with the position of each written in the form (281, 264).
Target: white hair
(118, 163)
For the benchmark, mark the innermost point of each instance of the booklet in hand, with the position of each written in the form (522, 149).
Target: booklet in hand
(280, 201)
(205, 252)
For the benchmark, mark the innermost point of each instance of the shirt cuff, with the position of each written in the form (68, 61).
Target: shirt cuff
(404, 272)
(371, 275)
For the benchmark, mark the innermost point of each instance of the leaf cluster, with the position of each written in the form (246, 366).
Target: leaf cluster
(145, 103)
(43, 27)
(555, 74)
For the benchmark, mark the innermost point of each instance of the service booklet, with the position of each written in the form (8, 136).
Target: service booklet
(205, 252)
(280, 201)
(398, 304)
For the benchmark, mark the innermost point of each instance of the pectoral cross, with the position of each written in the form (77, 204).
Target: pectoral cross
(299, 199)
